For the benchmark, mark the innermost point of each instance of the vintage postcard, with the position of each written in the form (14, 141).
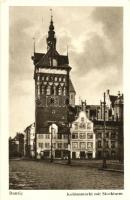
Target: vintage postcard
(64, 100)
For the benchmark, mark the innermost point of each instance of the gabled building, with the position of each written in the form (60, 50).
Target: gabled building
(29, 141)
(16, 145)
(83, 138)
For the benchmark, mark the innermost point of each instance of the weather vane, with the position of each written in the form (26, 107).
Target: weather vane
(51, 13)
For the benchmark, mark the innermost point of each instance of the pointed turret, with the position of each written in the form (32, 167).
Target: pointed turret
(51, 39)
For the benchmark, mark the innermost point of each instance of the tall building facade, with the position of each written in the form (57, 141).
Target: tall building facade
(52, 90)
(82, 138)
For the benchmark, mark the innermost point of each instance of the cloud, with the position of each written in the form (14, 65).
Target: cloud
(94, 56)
(112, 23)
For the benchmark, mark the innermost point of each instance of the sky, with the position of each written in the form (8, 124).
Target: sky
(93, 36)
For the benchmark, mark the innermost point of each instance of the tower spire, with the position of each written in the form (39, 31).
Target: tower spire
(51, 15)
(51, 40)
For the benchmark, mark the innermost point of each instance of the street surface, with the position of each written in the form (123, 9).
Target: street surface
(28, 174)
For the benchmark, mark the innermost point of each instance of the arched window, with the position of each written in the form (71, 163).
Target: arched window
(64, 91)
(48, 90)
(59, 90)
(42, 89)
(52, 90)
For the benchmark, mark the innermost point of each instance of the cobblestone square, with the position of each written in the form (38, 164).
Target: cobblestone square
(34, 175)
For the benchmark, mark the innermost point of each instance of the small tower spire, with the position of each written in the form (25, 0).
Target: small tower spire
(51, 15)
(34, 47)
(51, 40)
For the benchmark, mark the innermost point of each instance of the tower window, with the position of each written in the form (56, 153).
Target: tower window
(47, 78)
(59, 91)
(48, 90)
(55, 78)
(42, 89)
(64, 91)
(71, 96)
(38, 78)
(59, 78)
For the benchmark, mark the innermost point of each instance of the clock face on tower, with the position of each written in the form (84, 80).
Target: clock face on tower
(50, 43)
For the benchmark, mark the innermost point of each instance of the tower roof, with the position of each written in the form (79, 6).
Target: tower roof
(71, 87)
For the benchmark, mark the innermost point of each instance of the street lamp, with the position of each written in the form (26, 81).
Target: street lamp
(51, 133)
(104, 165)
(52, 129)
(69, 156)
(51, 145)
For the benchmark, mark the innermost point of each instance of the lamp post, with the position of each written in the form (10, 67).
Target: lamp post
(51, 145)
(69, 156)
(104, 165)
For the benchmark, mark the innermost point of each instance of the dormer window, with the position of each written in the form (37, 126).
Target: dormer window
(54, 62)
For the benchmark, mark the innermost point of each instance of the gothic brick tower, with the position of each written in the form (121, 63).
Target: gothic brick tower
(51, 75)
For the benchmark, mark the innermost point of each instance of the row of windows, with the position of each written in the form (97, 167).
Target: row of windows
(56, 136)
(82, 125)
(107, 154)
(107, 135)
(82, 145)
(54, 145)
(51, 90)
(76, 145)
(107, 144)
(82, 136)
(51, 78)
